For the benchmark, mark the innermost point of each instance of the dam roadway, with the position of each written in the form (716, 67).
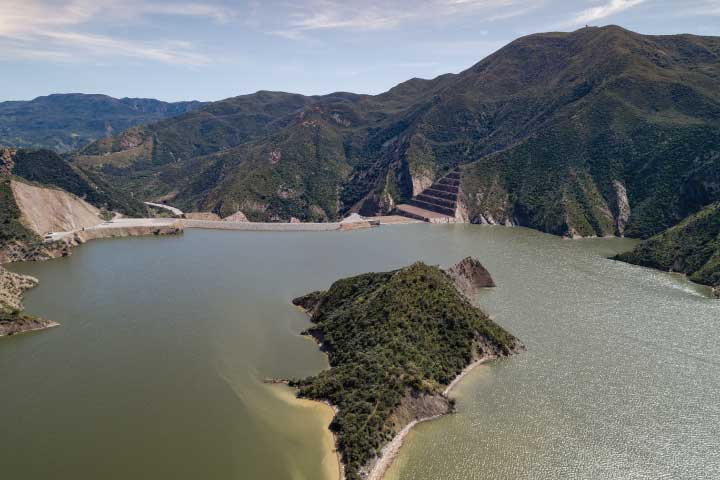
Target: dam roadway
(148, 226)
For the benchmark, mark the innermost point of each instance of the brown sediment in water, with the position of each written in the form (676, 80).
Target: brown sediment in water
(332, 464)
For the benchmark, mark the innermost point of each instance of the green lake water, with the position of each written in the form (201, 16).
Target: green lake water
(157, 368)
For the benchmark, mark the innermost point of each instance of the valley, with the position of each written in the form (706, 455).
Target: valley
(582, 168)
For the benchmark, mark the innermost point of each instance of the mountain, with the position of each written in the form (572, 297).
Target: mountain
(691, 247)
(601, 131)
(65, 122)
(395, 341)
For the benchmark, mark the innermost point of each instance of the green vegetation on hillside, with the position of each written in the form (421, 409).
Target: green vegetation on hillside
(11, 229)
(65, 122)
(48, 168)
(600, 131)
(408, 331)
(691, 247)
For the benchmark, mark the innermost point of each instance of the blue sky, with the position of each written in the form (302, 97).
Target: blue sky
(209, 50)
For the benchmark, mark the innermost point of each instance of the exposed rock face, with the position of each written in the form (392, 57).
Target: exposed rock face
(421, 182)
(236, 217)
(462, 215)
(7, 162)
(486, 201)
(33, 252)
(12, 287)
(622, 208)
(309, 302)
(716, 291)
(14, 323)
(51, 210)
(418, 407)
(470, 276)
(354, 222)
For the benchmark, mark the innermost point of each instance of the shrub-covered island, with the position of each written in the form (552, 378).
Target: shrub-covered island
(395, 341)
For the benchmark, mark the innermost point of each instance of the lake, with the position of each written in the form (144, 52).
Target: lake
(158, 367)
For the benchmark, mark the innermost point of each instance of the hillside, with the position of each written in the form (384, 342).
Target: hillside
(600, 131)
(395, 340)
(691, 247)
(52, 210)
(50, 169)
(65, 122)
(41, 192)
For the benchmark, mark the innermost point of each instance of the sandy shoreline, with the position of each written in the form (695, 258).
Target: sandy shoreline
(390, 451)
(465, 371)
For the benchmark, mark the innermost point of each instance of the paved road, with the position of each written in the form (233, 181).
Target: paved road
(175, 211)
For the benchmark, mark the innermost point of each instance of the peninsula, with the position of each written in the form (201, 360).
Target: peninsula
(396, 340)
(692, 247)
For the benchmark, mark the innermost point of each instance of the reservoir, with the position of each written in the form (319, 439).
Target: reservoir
(158, 367)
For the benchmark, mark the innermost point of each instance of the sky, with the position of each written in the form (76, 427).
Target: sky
(209, 50)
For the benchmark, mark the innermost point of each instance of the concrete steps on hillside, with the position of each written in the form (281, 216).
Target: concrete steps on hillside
(436, 204)
(423, 215)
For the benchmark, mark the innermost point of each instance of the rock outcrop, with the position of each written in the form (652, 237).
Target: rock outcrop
(12, 287)
(12, 321)
(7, 160)
(622, 208)
(236, 217)
(469, 276)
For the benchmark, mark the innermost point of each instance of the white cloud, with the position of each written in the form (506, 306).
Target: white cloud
(370, 15)
(603, 11)
(706, 7)
(217, 13)
(59, 30)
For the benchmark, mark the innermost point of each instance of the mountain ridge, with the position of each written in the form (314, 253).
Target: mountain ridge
(575, 134)
(68, 121)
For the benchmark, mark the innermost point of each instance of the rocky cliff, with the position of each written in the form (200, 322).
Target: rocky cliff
(470, 276)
